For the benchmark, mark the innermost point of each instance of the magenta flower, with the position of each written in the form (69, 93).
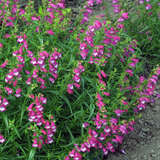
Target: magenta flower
(85, 124)
(121, 19)
(125, 15)
(117, 139)
(7, 35)
(130, 72)
(90, 3)
(20, 39)
(3, 65)
(148, 6)
(34, 18)
(72, 153)
(141, 1)
(83, 46)
(106, 93)
(105, 151)
(70, 88)
(83, 148)
(2, 139)
(67, 158)
(1, 45)
(115, 1)
(113, 120)
(123, 129)
(110, 147)
(97, 24)
(8, 90)
(98, 1)
(107, 130)
(50, 32)
(77, 156)
(3, 104)
(103, 74)
(118, 112)
(102, 137)
(35, 143)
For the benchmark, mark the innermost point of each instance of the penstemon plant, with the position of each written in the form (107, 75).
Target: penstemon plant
(143, 24)
(72, 89)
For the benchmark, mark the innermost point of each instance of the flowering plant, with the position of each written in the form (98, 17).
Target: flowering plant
(70, 88)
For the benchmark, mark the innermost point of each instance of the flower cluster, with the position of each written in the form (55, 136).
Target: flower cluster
(88, 39)
(96, 138)
(107, 126)
(88, 9)
(3, 104)
(46, 129)
(149, 91)
(116, 6)
(41, 64)
(76, 78)
(123, 17)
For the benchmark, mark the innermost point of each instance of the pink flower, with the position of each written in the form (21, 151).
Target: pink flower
(118, 112)
(5, 102)
(141, 1)
(98, 1)
(107, 130)
(90, 3)
(83, 148)
(103, 74)
(106, 93)
(67, 158)
(102, 137)
(83, 46)
(120, 26)
(121, 19)
(130, 72)
(1, 45)
(2, 140)
(35, 143)
(77, 156)
(34, 18)
(72, 153)
(97, 24)
(105, 151)
(148, 6)
(118, 139)
(141, 106)
(123, 129)
(110, 147)
(85, 124)
(50, 32)
(125, 15)
(4, 64)
(7, 35)
(77, 85)
(8, 90)
(20, 40)
(115, 1)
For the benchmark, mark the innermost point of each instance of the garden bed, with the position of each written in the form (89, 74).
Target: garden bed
(74, 81)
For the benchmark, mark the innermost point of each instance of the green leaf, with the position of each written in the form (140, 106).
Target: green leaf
(31, 154)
